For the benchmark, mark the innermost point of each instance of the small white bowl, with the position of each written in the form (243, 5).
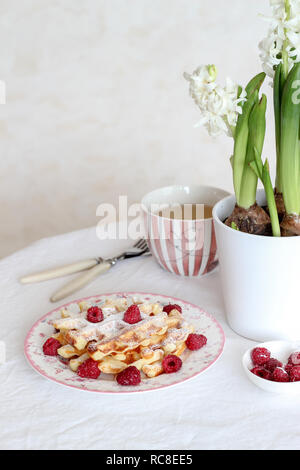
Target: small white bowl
(280, 350)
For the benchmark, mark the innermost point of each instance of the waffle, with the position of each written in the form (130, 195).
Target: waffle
(115, 344)
(129, 338)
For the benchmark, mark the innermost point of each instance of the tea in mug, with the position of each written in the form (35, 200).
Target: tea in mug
(186, 211)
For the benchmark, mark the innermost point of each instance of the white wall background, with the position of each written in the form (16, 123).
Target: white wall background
(97, 105)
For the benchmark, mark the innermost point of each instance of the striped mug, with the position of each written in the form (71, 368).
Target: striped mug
(183, 243)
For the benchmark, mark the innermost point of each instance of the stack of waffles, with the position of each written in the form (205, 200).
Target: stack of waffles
(115, 344)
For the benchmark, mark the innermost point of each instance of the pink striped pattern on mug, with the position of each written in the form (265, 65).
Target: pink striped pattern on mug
(182, 247)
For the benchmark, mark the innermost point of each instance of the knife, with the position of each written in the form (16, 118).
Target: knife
(61, 271)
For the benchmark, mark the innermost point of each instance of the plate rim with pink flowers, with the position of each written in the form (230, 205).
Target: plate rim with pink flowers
(194, 362)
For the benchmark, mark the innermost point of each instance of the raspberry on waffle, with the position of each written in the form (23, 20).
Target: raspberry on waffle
(112, 344)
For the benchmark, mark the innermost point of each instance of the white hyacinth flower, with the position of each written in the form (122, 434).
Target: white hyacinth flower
(283, 35)
(219, 106)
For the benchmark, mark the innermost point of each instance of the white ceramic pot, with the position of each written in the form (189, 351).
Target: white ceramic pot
(260, 279)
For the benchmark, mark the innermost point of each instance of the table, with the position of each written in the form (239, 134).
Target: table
(220, 409)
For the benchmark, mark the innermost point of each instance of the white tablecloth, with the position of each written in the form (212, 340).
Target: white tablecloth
(220, 409)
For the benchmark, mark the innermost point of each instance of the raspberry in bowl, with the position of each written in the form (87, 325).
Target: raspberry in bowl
(273, 366)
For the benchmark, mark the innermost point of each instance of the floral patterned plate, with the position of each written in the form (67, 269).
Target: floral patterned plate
(194, 363)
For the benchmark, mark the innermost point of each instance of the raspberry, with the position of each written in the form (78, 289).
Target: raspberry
(171, 363)
(271, 364)
(295, 374)
(132, 314)
(260, 356)
(195, 342)
(261, 372)
(94, 315)
(129, 376)
(288, 367)
(170, 307)
(89, 369)
(280, 375)
(294, 359)
(51, 346)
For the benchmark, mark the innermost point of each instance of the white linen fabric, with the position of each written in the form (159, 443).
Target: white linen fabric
(219, 409)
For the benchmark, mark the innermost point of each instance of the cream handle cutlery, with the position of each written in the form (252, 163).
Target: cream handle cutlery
(92, 268)
(61, 271)
(81, 281)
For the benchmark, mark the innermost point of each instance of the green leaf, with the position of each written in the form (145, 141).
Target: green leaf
(271, 200)
(257, 129)
(253, 166)
(241, 143)
(258, 162)
(255, 83)
(262, 172)
(289, 143)
(240, 159)
(277, 94)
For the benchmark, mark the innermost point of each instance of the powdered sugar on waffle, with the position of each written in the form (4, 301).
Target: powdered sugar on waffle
(111, 326)
(176, 335)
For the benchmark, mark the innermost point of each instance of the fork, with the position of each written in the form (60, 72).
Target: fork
(140, 248)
